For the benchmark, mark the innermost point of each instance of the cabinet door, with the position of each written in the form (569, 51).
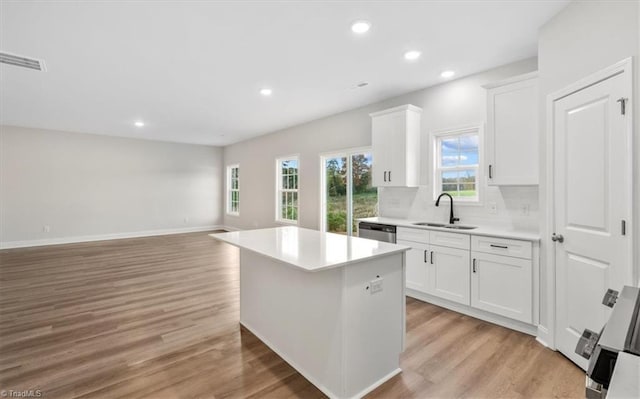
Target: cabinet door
(512, 134)
(416, 268)
(448, 274)
(502, 285)
(381, 139)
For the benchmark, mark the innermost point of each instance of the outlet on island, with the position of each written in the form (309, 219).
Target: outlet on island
(376, 285)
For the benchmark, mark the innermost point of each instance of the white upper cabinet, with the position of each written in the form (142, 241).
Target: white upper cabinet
(395, 140)
(512, 131)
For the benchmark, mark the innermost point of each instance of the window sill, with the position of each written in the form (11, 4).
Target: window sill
(287, 222)
(233, 214)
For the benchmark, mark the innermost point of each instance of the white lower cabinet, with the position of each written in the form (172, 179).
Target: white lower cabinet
(416, 265)
(448, 274)
(485, 273)
(502, 285)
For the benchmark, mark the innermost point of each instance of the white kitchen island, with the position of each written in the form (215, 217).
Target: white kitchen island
(331, 306)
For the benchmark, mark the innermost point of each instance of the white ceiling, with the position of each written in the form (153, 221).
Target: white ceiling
(193, 70)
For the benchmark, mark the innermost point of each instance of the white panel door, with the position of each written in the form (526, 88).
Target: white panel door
(448, 274)
(591, 200)
(416, 265)
(502, 285)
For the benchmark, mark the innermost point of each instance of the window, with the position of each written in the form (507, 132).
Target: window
(347, 193)
(233, 190)
(456, 156)
(287, 190)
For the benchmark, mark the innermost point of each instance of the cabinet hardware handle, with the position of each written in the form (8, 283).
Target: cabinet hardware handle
(490, 171)
(385, 175)
(389, 175)
(474, 265)
(425, 256)
(623, 227)
(499, 246)
(432, 257)
(557, 238)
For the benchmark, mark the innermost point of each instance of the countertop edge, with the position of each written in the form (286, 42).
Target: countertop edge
(480, 231)
(403, 248)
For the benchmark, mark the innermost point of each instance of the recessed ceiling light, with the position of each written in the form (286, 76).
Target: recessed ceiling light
(361, 27)
(139, 124)
(412, 55)
(447, 74)
(266, 92)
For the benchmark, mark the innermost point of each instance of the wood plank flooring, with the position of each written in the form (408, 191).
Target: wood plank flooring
(157, 318)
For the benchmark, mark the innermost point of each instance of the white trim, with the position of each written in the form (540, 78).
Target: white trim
(513, 79)
(473, 312)
(103, 237)
(624, 66)
(406, 107)
(543, 337)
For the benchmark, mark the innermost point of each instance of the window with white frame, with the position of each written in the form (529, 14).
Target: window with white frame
(456, 163)
(233, 190)
(287, 170)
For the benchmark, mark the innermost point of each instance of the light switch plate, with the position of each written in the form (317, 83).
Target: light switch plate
(376, 286)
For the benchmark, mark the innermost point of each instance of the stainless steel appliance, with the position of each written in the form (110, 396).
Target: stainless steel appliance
(620, 334)
(376, 231)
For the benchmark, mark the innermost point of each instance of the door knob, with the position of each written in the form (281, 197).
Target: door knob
(557, 237)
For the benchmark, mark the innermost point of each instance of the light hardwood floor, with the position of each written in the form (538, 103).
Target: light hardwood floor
(157, 317)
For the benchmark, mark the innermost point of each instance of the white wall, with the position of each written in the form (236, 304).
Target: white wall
(87, 186)
(448, 105)
(580, 40)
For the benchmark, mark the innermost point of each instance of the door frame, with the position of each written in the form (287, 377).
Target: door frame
(348, 152)
(547, 334)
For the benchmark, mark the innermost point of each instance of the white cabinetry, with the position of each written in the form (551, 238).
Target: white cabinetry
(395, 141)
(448, 273)
(502, 284)
(512, 131)
(416, 265)
(487, 277)
(440, 270)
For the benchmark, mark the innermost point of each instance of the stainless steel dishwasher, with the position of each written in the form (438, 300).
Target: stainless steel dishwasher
(376, 231)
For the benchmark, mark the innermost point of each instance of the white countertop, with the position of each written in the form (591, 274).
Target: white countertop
(480, 231)
(309, 250)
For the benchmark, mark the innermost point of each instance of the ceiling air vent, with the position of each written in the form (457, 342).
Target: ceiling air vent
(20, 61)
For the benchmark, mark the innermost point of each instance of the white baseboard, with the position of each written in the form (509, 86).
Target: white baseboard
(544, 338)
(478, 314)
(102, 237)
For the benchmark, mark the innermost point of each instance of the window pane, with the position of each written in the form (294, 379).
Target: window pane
(469, 143)
(468, 158)
(285, 182)
(450, 177)
(364, 196)
(450, 188)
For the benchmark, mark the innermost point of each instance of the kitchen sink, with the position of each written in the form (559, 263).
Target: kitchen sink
(459, 227)
(430, 224)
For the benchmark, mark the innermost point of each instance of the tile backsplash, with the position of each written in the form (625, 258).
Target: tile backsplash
(516, 208)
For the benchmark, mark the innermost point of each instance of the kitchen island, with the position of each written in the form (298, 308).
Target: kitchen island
(331, 306)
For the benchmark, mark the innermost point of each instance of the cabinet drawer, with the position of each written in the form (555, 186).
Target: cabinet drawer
(415, 235)
(502, 246)
(451, 240)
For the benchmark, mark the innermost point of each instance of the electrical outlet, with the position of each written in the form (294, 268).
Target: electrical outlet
(46, 228)
(186, 219)
(492, 208)
(376, 286)
(524, 209)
